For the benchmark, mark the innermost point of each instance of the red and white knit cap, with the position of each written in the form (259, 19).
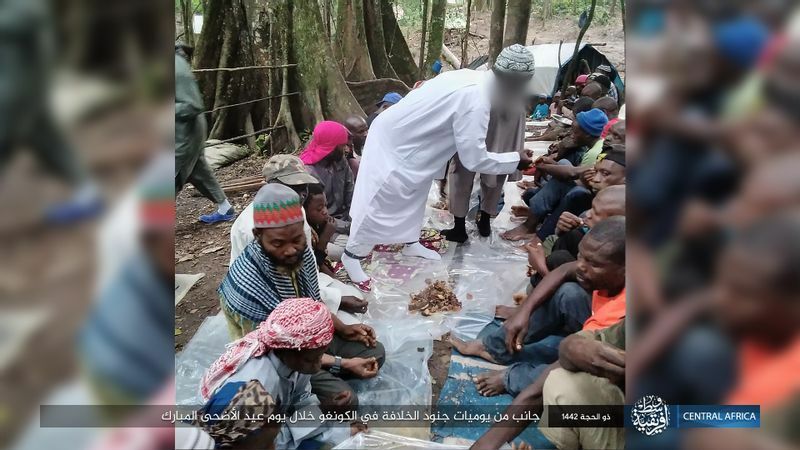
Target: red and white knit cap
(297, 324)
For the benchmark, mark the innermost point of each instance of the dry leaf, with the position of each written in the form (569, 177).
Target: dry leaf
(208, 250)
(178, 331)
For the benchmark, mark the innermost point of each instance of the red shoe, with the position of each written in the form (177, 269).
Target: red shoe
(364, 286)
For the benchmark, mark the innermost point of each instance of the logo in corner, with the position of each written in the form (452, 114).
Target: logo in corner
(650, 415)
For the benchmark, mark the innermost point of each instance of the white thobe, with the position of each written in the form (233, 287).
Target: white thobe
(408, 146)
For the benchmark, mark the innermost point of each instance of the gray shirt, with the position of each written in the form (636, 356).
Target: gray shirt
(338, 181)
(292, 394)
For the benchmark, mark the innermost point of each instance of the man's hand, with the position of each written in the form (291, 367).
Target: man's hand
(587, 176)
(353, 304)
(525, 159)
(358, 427)
(361, 367)
(326, 234)
(359, 333)
(579, 353)
(516, 329)
(568, 222)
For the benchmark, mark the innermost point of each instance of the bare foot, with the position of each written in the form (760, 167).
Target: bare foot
(471, 348)
(491, 383)
(517, 234)
(504, 312)
(525, 185)
(520, 211)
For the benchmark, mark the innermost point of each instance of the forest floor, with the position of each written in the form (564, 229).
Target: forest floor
(206, 248)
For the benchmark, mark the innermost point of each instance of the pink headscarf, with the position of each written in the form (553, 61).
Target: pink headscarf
(327, 136)
(297, 323)
(582, 79)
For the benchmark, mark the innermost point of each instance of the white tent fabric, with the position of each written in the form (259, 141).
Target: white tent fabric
(547, 64)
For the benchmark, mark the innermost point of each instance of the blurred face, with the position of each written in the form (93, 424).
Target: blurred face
(744, 298)
(301, 189)
(285, 245)
(616, 135)
(579, 136)
(316, 211)
(572, 90)
(358, 134)
(602, 208)
(336, 155)
(596, 271)
(307, 362)
(607, 173)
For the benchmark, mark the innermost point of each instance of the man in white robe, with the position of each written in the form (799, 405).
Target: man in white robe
(409, 144)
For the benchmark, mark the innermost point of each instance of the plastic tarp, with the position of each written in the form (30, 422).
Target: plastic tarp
(388, 441)
(221, 155)
(484, 273)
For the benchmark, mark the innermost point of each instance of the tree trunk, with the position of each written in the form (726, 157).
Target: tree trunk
(373, 22)
(396, 46)
(496, 29)
(573, 63)
(482, 5)
(227, 41)
(436, 37)
(547, 6)
(421, 64)
(323, 93)
(612, 8)
(465, 39)
(187, 16)
(518, 16)
(622, 10)
(350, 47)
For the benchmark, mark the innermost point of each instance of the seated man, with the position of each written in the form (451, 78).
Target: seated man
(324, 158)
(560, 305)
(557, 130)
(590, 371)
(358, 129)
(322, 228)
(542, 110)
(277, 363)
(571, 230)
(564, 168)
(279, 265)
(388, 100)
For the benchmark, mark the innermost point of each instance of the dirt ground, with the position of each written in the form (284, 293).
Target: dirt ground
(204, 248)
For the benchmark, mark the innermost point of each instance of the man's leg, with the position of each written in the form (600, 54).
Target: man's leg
(539, 206)
(336, 247)
(460, 182)
(563, 387)
(490, 199)
(328, 386)
(351, 260)
(563, 314)
(202, 177)
(518, 376)
(577, 200)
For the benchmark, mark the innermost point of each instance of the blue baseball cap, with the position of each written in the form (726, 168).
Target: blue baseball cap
(390, 98)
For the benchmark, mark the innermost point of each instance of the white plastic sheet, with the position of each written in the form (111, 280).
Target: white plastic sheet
(388, 441)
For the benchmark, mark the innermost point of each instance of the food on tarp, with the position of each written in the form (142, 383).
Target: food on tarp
(518, 298)
(437, 297)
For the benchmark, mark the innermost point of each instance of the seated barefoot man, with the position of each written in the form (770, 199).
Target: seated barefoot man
(563, 169)
(409, 145)
(572, 192)
(590, 371)
(279, 265)
(290, 171)
(560, 305)
(563, 247)
(271, 369)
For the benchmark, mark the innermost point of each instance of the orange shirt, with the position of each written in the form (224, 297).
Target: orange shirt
(767, 378)
(606, 311)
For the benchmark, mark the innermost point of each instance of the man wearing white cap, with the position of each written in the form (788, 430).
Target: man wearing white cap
(410, 144)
